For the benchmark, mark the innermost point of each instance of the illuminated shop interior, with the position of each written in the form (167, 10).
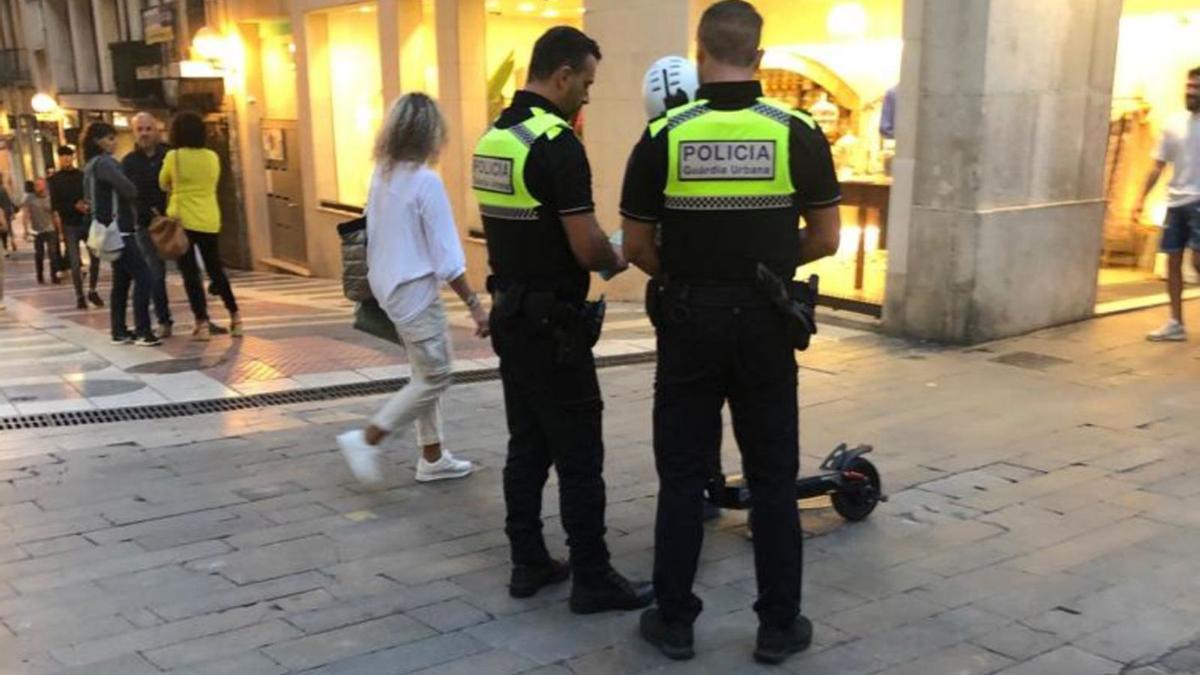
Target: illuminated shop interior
(838, 66)
(512, 28)
(1159, 42)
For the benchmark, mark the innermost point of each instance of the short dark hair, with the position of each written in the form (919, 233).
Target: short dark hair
(730, 31)
(29, 186)
(559, 46)
(187, 130)
(94, 132)
(66, 151)
(1194, 72)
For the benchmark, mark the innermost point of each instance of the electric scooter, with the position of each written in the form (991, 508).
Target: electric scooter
(847, 477)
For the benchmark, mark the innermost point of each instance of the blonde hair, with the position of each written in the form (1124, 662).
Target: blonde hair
(414, 131)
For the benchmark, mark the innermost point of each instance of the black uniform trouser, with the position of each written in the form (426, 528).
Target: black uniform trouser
(739, 354)
(554, 418)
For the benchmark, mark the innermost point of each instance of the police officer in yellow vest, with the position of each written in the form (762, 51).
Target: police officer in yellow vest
(533, 184)
(728, 177)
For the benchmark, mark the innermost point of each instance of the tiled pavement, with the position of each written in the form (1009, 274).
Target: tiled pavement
(1043, 519)
(54, 357)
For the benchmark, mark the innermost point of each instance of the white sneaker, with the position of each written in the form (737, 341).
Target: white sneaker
(444, 468)
(362, 458)
(1172, 331)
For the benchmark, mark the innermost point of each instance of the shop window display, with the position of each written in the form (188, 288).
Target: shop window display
(1159, 41)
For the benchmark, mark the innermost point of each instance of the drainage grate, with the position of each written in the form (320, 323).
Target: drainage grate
(215, 405)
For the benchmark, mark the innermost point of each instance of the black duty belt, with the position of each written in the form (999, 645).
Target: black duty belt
(723, 295)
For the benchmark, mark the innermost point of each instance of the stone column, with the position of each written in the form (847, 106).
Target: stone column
(462, 94)
(1003, 126)
(632, 34)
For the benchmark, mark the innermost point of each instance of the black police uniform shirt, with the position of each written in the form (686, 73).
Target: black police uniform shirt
(725, 246)
(558, 175)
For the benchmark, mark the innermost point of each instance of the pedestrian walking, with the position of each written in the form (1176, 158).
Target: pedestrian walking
(111, 196)
(71, 216)
(189, 175)
(1180, 148)
(533, 183)
(142, 166)
(35, 207)
(7, 211)
(412, 248)
(727, 178)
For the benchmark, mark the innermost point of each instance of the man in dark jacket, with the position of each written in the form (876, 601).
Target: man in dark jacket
(142, 166)
(71, 216)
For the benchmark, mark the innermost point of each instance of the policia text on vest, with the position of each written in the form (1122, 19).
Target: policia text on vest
(727, 160)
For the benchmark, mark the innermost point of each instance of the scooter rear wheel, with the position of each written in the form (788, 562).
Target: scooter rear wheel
(856, 500)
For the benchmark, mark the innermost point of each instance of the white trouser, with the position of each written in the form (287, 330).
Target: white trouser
(429, 355)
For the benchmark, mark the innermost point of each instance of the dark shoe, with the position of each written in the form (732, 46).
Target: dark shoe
(527, 580)
(776, 643)
(214, 329)
(95, 298)
(610, 592)
(122, 339)
(81, 304)
(675, 640)
(55, 280)
(148, 341)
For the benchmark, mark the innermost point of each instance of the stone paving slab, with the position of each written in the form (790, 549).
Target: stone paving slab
(1042, 520)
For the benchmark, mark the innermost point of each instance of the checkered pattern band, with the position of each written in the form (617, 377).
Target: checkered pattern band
(773, 113)
(729, 203)
(506, 213)
(687, 116)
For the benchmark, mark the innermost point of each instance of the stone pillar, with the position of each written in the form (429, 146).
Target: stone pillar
(1003, 125)
(632, 34)
(462, 94)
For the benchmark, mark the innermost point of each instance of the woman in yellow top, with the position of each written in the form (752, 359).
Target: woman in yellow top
(190, 174)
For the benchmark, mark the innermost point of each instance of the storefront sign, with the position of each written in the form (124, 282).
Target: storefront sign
(158, 24)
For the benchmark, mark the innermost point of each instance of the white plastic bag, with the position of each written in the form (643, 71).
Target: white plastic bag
(105, 240)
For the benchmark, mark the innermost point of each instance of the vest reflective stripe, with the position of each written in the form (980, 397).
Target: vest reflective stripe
(750, 203)
(728, 159)
(498, 167)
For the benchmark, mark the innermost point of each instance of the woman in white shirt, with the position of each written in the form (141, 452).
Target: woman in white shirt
(412, 247)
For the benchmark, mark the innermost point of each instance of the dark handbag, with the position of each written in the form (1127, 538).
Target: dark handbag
(355, 284)
(370, 318)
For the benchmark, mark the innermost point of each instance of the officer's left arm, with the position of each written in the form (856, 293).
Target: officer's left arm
(564, 182)
(817, 191)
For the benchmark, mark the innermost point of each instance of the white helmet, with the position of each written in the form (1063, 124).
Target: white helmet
(671, 81)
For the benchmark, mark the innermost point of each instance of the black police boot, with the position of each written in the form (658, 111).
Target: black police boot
(527, 580)
(776, 643)
(675, 640)
(609, 591)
